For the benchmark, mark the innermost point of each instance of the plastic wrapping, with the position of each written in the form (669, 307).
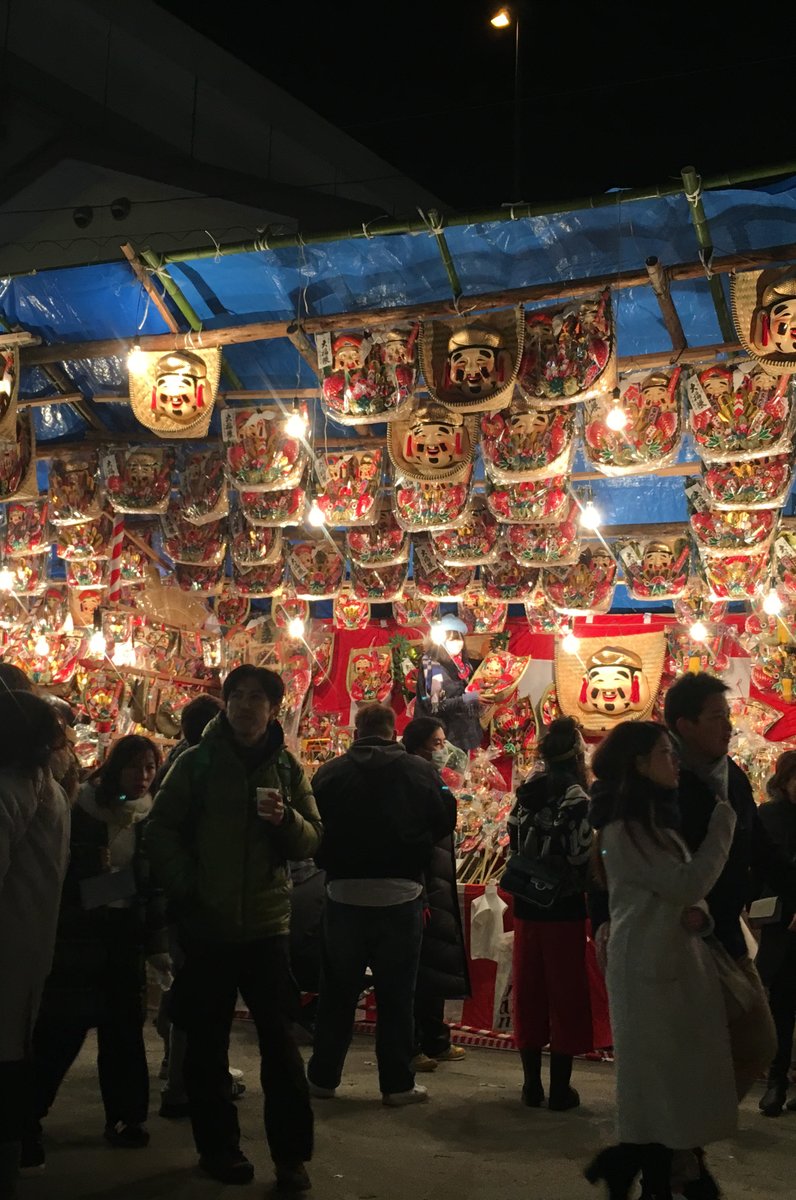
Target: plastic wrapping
(684, 653)
(514, 731)
(497, 675)
(87, 573)
(232, 611)
(546, 545)
(197, 545)
(784, 562)
(25, 530)
(138, 479)
(74, 494)
(740, 413)
(369, 675)
(258, 581)
(18, 462)
(650, 403)
(86, 539)
(414, 611)
(480, 614)
(738, 531)
(9, 392)
(735, 577)
(275, 510)
(539, 502)
(200, 580)
(438, 582)
(774, 671)
(202, 486)
(351, 486)
(505, 580)
(287, 607)
(380, 544)
(251, 545)
(350, 613)
(369, 375)
(260, 454)
(527, 442)
(379, 584)
(317, 568)
(763, 483)
(587, 586)
(569, 352)
(656, 569)
(429, 506)
(471, 543)
(696, 605)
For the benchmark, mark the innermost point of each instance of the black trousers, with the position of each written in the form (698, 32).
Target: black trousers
(432, 1034)
(121, 1058)
(782, 1001)
(203, 1004)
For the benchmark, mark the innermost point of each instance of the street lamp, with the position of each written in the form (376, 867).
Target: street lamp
(504, 18)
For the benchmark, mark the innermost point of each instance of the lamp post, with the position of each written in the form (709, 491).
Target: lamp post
(505, 18)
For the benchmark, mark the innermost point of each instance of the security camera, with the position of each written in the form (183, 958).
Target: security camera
(83, 216)
(120, 209)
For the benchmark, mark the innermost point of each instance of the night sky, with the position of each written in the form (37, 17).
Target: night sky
(617, 95)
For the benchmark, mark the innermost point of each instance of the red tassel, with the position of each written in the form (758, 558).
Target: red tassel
(458, 445)
(584, 690)
(635, 691)
(154, 404)
(409, 448)
(200, 396)
(765, 329)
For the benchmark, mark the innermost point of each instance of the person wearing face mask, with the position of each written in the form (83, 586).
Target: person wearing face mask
(442, 973)
(442, 677)
(112, 920)
(550, 980)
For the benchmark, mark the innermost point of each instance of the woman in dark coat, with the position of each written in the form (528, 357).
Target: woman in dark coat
(443, 963)
(442, 678)
(776, 960)
(111, 922)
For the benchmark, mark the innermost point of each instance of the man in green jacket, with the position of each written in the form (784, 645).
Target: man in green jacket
(230, 814)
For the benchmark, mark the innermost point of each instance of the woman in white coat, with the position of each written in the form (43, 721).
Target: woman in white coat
(34, 844)
(674, 1076)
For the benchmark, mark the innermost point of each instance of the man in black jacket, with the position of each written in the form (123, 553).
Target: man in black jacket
(383, 810)
(698, 714)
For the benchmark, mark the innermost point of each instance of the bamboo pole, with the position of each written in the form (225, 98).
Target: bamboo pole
(660, 286)
(145, 279)
(693, 188)
(304, 346)
(143, 545)
(9, 339)
(510, 212)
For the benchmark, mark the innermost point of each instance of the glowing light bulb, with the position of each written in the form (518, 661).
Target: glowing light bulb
(296, 424)
(96, 644)
(6, 579)
(295, 628)
(616, 418)
(315, 516)
(42, 646)
(772, 605)
(124, 654)
(69, 624)
(569, 643)
(501, 19)
(137, 361)
(590, 517)
(698, 631)
(438, 634)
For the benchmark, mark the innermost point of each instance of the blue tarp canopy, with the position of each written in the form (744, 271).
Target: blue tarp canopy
(106, 301)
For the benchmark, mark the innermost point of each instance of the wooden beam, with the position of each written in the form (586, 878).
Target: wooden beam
(144, 277)
(660, 286)
(45, 401)
(258, 331)
(304, 346)
(9, 339)
(145, 548)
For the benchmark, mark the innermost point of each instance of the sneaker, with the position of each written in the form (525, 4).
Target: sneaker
(292, 1177)
(452, 1054)
(229, 1167)
(174, 1110)
(32, 1156)
(236, 1089)
(163, 1073)
(128, 1137)
(422, 1062)
(321, 1093)
(415, 1095)
(563, 1101)
(235, 1073)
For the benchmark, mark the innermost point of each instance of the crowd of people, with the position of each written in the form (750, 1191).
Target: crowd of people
(198, 867)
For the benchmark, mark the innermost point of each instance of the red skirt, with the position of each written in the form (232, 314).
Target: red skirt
(550, 987)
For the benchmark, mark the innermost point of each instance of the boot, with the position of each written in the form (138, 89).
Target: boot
(618, 1166)
(9, 1169)
(562, 1096)
(532, 1090)
(656, 1165)
(704, 1188)
(773, 1099)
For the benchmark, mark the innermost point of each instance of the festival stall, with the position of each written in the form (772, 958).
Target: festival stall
(462, 458)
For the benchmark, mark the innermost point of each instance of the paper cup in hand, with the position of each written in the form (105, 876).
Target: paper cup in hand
(267, 801)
